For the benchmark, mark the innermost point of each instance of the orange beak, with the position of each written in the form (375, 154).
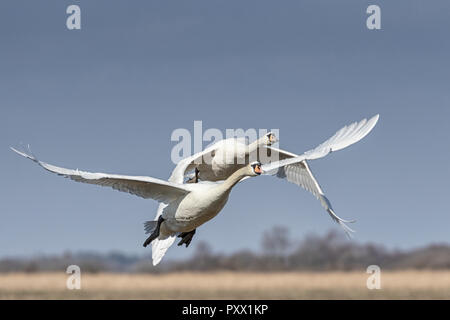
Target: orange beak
(272, 138)
(258, 169)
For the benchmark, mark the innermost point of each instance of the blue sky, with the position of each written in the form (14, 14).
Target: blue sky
(107, 98)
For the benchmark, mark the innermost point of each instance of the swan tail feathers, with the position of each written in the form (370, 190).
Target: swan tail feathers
(160, 247)
(161, 244)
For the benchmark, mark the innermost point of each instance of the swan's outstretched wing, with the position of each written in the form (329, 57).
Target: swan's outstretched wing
(300, 174)
(295, 169)
(349, 135)
(145, 187)
(345, 137)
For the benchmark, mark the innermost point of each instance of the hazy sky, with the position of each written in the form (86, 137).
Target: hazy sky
(107, 98)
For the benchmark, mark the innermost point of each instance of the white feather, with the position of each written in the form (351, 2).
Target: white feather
(294, 168)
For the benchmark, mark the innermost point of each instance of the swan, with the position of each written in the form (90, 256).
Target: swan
(298, 172)
(224, 157)
(187, 206)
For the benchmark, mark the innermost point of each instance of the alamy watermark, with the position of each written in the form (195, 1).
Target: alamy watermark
(74, 280)
(373, 22)
(240, 146)
(73, 21)
(374, 280)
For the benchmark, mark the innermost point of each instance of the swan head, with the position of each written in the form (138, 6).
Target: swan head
(255, 168)
(269, 139)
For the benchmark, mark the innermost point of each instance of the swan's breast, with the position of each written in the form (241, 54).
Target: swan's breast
(197, 208)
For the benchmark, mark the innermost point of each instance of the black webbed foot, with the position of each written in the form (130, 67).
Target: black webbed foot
(186, 237)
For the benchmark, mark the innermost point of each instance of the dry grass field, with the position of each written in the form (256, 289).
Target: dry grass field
(228, 285)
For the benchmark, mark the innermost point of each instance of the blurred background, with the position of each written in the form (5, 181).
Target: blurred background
(107, 98)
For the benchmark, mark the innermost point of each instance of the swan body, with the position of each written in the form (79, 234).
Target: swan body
(203, 203)
(228, 156)
(223, 158)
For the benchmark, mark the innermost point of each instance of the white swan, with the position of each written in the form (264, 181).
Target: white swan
(289, 168)
(224, 157)
(187, 205)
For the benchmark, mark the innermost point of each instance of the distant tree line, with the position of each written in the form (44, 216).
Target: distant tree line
(331, 252)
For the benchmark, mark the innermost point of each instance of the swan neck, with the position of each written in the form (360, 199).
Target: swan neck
(234, 178)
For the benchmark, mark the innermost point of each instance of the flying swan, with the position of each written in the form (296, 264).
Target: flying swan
(224, 157)
(184, 207)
